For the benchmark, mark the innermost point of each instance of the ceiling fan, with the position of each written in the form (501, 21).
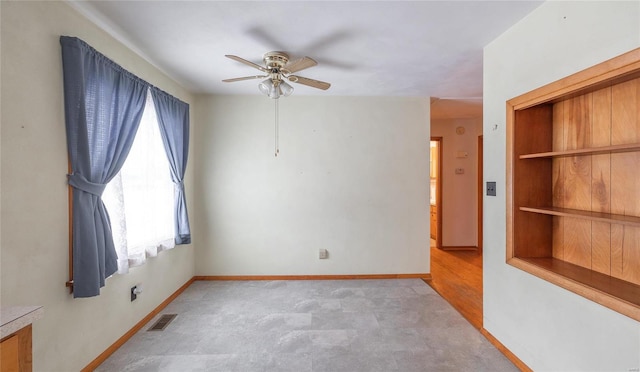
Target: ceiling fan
(277, 70)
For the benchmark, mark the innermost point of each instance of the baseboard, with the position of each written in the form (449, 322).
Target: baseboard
(503, 349)
(458, 248)
(425, 276)
(116, 345)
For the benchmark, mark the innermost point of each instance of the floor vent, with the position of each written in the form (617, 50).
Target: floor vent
(162, 323)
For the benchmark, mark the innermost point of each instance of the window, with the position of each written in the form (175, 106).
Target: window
(104, 105)
(140, 198)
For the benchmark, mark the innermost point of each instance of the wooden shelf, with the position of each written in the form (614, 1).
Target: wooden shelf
(586, 215)
(604, 284)
(554, 134)
(587, 151)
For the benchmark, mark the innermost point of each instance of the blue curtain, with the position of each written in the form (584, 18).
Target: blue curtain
(173, 119)
(103, 108)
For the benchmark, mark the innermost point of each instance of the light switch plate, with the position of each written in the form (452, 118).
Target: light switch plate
(491, 189)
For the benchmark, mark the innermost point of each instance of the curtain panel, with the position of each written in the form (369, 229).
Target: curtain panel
(103, 108)
(173, 119)
(104, 104)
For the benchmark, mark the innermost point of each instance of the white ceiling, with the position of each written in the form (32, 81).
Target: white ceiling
(364, 48)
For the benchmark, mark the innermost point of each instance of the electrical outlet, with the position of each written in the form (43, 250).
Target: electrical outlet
(323, 254)
(491, 189)
(134, 293)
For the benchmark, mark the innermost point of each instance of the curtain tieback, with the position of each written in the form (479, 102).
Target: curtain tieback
(179, 185)
(79, 182)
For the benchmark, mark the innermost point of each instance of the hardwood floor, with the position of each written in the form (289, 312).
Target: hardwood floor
(457, 276)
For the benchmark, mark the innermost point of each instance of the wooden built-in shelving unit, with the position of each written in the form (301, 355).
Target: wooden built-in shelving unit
(573, 180)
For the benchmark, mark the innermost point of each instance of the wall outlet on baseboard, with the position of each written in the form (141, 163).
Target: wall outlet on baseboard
(323, 254)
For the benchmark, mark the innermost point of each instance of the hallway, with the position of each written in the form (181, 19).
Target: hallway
(457, 276)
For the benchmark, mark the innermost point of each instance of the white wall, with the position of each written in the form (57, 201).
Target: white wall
(352, 177)
(34, 244)
(459, 191)
(547, 327)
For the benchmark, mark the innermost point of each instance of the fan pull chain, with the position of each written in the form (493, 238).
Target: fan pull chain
(277, 144)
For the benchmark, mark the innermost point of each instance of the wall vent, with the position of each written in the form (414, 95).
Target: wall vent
(162, 322)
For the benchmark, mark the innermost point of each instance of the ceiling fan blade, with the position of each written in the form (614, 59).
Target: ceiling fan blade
(248, 63)
(310, 82)
(244, 78)
(300, 64)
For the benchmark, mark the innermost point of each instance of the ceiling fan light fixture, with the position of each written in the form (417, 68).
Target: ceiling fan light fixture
(285, 89)
(266, 87)
(275, 93)
(278, 68)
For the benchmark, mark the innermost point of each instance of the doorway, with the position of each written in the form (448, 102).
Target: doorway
(435, 184)
(457, 274)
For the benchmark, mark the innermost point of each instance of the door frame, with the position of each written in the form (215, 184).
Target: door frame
(480, 191)
(438, 189)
